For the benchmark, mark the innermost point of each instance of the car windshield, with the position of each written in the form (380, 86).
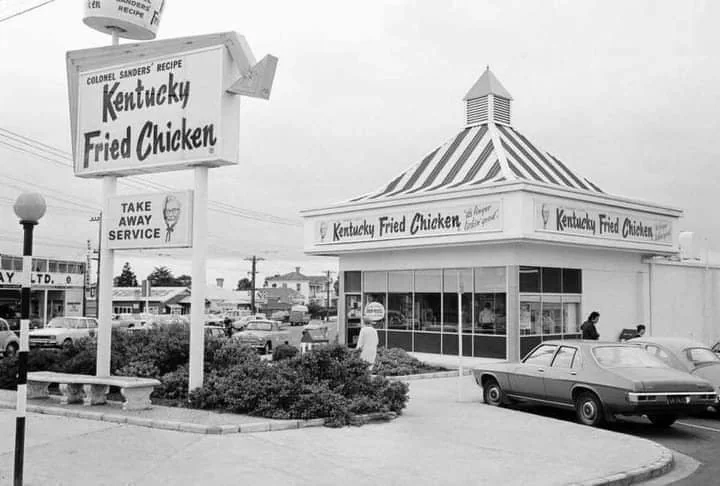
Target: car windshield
(60, 323)
(701, 355)
(259, 326)
(625, 357)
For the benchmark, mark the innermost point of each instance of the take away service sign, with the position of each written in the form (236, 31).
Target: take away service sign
(162, 105)
(158, 220)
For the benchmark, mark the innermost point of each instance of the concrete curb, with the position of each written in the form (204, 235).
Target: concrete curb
(661, 466)
(194, 428)
(428, 376)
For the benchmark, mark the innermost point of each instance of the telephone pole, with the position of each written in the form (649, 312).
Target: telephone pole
(254, 260)
(327, 302)
(97, 219)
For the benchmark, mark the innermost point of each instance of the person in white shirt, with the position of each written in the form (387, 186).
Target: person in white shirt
(367, 343)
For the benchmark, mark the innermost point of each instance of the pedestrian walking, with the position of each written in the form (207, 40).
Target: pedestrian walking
(368, 342)
(589, 331)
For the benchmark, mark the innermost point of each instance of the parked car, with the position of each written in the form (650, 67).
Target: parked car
(240, 324)
(684, 355)
(157, 321)
(9, 343)
(263, 334)
(598, 380)
(214, 331)
(63, 332)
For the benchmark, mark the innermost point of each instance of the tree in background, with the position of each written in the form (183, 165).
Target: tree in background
(244, 284)
(127, 277)
(162, 277)
(184, 281)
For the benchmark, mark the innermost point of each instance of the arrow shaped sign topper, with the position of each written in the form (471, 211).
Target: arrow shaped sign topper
(257, 81)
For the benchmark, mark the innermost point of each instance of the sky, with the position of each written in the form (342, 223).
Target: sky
(625, 93)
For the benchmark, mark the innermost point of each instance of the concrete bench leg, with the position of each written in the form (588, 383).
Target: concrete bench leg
(71, 393)
(95, 394)
(137, 398)
(37, 389)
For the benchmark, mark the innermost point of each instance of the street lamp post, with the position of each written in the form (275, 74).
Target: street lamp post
(29, 208)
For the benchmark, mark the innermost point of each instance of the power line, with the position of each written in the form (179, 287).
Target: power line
(17, 14)
(216, 206)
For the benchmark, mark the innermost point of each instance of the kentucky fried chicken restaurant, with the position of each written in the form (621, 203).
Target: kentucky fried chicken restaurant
(525, 244)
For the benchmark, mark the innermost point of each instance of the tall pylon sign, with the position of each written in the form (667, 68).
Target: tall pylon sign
(153, 107)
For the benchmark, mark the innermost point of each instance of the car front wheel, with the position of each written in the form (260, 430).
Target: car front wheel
(589, 409)
(67, 344)
(493, 393)
(662, 421)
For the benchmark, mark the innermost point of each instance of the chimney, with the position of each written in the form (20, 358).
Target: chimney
(297, 269)
(219, 282)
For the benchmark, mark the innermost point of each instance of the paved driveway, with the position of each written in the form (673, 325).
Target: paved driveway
(438, 440)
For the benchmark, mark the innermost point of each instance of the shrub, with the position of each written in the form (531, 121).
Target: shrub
(174, 385)
(284, 351)
(397, 362)
(329, 382)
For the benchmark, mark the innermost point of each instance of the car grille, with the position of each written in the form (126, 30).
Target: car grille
(42, 340)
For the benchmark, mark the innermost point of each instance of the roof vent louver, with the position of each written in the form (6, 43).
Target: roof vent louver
(476, 111)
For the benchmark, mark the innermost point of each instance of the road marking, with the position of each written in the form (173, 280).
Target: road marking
(703, 427)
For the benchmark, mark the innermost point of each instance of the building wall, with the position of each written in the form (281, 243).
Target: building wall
(686, 302)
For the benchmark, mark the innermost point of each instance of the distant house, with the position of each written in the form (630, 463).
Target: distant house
(312, 287)
(220, 299)
(272, 299)
(162, 300)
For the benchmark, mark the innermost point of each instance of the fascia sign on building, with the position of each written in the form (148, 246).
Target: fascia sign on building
(158, 220)
(162, 105)
(597, 222)
(473, 216)
(12, 278)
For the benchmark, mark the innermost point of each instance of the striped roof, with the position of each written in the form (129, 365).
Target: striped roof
(479, 156)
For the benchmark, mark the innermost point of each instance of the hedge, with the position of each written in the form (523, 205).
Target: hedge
(328, 382)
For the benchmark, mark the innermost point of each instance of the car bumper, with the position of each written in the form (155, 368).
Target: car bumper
(671, 403)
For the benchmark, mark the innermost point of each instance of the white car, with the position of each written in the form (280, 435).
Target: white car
(9, 343)
(63, 332)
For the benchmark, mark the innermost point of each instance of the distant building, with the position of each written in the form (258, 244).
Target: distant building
(56, 290)
(162, 300)
(312, 287)
(272, 299)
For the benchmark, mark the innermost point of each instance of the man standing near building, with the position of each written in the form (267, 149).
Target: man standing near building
(589, 331)
(368, 342)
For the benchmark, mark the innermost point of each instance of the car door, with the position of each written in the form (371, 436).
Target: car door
(528, 378)
(562, 375)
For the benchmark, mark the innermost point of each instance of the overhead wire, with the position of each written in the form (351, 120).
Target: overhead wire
(17, 14)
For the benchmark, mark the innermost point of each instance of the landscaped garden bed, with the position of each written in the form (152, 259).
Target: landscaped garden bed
(329, 382)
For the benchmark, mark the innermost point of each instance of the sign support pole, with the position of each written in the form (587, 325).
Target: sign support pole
(461, 371)
(107, 262)
(199, 277)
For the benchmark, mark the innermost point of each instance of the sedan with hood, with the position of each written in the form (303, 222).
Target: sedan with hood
(685, 355)
(263, 334)
(63, 332)
(597, 380)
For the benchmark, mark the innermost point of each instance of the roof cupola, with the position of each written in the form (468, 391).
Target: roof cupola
(487, 101)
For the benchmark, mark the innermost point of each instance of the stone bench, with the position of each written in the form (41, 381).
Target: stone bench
(92, 390)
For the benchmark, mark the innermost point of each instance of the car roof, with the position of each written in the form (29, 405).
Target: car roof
(674, 343)
(584, 342)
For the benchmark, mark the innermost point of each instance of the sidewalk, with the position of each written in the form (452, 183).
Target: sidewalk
(437, 440)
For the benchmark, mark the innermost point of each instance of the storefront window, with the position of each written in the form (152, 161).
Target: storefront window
(428, 308)
(353, 309)
(551, 282)
(53, 266)
(451, 279)
(530, 322)
(551, 316)
(400, 301)
(352, 282)
(530, 279)
(375, 282)
(571, 317)
(571, 281)
(377, 297)
(490, 313)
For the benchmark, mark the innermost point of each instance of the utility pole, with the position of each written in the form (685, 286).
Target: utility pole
(98, 219)
(86, 279)
(254, 260)
(327, 302)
